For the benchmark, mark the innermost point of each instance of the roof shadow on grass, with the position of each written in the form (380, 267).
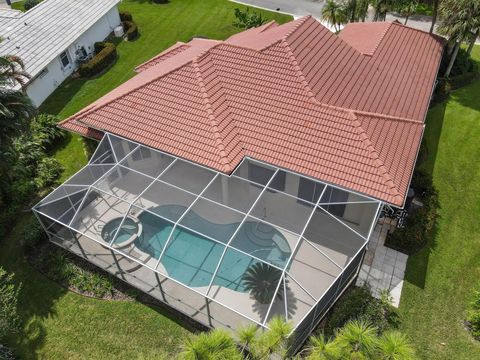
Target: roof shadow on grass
(418, 263)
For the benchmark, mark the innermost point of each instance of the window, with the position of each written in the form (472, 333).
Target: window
(43, 73)
(65, 59)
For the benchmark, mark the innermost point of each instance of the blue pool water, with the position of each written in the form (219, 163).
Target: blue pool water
(192, 259)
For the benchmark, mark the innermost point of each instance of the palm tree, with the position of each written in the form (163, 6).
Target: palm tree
(381, 8)
(362, 9)
(321, 348)
(406, 8)
(434, 14)
(459, 20)
(247, 337)
(261, 280)
(334, 14)
(358, 338)
(15, 111)
(473, 38)
(274, 341)
(394, 346)
(214, 345)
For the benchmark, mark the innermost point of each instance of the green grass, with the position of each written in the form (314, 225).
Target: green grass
(62, 325)
(440, 279)
(18, 5)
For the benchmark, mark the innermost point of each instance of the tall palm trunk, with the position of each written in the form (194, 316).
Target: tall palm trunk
(406, 18)
(453, 58)
(472, 42)
(354, 11)
(434, 15)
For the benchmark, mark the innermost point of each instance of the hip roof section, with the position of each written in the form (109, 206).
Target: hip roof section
(293, 95)
(42, 33)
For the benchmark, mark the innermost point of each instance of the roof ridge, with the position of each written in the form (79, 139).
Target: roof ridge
(219, 141)
(298, 70)
(380, 40)
(301, 21)
(386, 116)
(175, 46)
(383, 171)
(268, 25)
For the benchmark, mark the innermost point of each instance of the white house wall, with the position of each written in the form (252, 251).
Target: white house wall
(41, 87)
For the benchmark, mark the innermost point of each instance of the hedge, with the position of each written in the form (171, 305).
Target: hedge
(126, 16)
(106, 53)
(131, 30)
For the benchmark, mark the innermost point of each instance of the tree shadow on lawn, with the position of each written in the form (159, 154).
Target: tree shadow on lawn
(468, 95)
(418, 263)
(37, 297)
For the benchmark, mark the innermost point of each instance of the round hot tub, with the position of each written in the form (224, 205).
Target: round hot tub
(128, 232)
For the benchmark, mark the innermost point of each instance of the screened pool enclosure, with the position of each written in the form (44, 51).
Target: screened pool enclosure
(226, 250)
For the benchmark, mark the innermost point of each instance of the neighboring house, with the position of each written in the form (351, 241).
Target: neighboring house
(52, 36)
(241, 179)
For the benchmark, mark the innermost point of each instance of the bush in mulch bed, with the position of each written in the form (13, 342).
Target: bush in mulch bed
(105, 55)
(420, 223)
(131, 30)
(357, 303)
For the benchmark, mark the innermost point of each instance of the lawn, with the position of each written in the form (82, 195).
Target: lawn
(59, 324)
(440, 279)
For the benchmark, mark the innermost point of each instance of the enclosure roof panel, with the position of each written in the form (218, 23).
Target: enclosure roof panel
(219, 235)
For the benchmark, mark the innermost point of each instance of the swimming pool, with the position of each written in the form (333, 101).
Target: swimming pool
(192, 258)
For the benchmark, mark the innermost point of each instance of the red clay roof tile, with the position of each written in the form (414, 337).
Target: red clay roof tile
(345, 109)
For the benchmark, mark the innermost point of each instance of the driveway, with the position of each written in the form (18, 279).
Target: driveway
(297, 8)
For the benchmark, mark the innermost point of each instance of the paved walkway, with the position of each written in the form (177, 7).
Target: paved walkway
(383, 268)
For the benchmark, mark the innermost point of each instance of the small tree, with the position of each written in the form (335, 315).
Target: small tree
(9, 319)
(246, 19)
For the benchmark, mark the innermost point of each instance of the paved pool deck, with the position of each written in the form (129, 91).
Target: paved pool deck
(383, 268)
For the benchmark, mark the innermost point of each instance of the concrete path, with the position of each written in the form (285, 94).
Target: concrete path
(383, 269)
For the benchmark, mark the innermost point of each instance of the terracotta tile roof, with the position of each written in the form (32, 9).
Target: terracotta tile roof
(294, 95)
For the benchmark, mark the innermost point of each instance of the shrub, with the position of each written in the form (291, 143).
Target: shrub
(358, 303)
(106, 53)
(30, 152)
(30, 4)
(44, 128)
(160, 1)
(58, 266)
(125, 16)
(247, 20)
(9, 319)
(420, 222)
(131, 30)
(33, 234)
(48, 172)
(473, 318)
(89, 146)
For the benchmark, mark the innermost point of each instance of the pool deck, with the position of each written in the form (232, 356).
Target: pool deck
(383, 268)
